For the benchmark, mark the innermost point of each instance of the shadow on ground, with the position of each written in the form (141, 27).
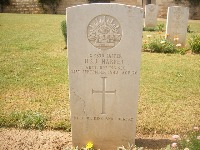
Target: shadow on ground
(152, 143)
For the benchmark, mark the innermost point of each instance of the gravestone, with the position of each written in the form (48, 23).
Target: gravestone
(104, 48)
(151, 12)
(177, 22)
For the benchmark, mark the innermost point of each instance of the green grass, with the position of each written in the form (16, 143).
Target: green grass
(33, 68)
(26, 119)
(34, 80)
(169, 93)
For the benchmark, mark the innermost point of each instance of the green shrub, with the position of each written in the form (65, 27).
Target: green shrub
(169, 47)
(191, 141)
(89, 146)
(51, 4)
(194, 43)
(160, 27)
(161, 45)
(31, 119)
(4, 3)
(149, 29)
(155, 46)
(189, 30)
(64, 30)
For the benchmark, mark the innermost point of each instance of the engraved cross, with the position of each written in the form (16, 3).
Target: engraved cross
(103, 92)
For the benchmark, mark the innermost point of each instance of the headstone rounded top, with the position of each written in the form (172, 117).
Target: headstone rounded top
(104, 32)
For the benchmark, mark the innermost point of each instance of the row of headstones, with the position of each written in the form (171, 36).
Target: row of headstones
(104, 53)
(177, 21)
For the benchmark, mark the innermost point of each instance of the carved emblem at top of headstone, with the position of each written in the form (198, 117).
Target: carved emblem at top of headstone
(104, 32)
(178, 13)
(152, 8)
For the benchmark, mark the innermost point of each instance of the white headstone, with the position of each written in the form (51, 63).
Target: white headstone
(151, 12)
(104, 48)
(177, 22)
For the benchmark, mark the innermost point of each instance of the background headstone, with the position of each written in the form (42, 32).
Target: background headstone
(151, 12)
(177, 22)
(104, 50)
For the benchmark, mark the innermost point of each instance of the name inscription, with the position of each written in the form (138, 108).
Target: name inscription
(104, 64)
(103, 118)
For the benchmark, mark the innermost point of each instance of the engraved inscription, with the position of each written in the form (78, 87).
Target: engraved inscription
(179, 23)
(103, 92)
(104, 118)
(104, 64)
(151, 15)
(104, 32)
(152, 8)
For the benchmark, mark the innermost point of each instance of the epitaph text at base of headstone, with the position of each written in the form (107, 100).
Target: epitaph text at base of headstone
(177, 22)
(104, 50)
(151, 12)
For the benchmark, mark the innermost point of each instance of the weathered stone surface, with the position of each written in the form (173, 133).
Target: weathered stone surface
(151, 12)
(23, 6)
(104, 48)
(177, 22)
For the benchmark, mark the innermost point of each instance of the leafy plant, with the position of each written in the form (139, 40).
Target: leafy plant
(189, 29)
(4, 3)
(194, 43)
(64, 30)
(52, 4)
(160, 27)
(31, 119)
(130, 147)
(191, 141)
(149, 29)
(155, 46)
(168, 147)
(161, 45)
(89, 146)
(71, 148)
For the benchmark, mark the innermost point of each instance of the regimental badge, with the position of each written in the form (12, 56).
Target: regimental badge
(104, 32)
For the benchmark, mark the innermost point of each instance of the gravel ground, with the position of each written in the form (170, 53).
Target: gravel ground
(19, 139)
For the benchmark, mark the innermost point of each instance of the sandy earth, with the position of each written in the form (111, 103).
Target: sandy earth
(18, 139)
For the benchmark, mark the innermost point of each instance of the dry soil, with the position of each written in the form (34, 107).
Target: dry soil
(20, 139)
